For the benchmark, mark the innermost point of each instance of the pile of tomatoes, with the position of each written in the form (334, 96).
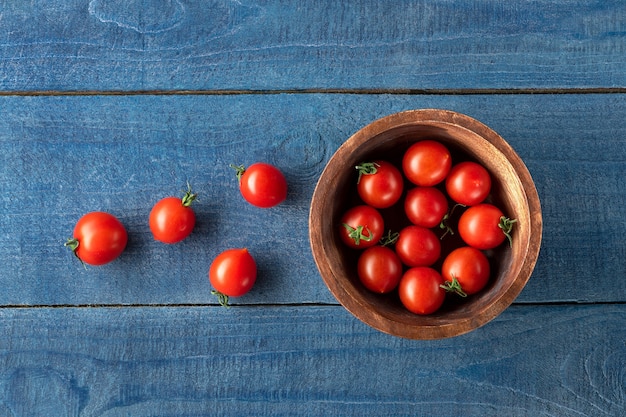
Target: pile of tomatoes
(429, 198)
(100, 238)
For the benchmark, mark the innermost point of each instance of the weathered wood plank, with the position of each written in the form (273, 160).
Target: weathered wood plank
(259, 45)
(63, 156)
(532, 361)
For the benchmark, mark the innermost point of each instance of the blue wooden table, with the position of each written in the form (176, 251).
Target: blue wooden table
(112, 104)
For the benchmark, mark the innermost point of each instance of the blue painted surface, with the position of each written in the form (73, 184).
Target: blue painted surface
(143, 336)
(226, 44)
(302, 361)
(122, 154)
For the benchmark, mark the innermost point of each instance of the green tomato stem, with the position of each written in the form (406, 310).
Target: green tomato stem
(73, 244)
(366, 168)
(189, 196)
(444, 222)
(240, 169)
(506, 225)
(390, 239)
(357, 235)
(454, 286)
(221, 298)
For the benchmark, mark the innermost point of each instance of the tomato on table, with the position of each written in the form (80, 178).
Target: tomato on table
(425, 206)
(232, 274)
(420, 290)
(418, 246)
(261, 184)
(172, 219)
(98, 238)
(426, 163)
(361, 227)
(468, 183)
(380, 183)
(379, 269)
(484, 226)
(466, 271)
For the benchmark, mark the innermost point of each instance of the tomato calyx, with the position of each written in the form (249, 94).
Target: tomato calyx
(221, 298)
(444, 222)
(366, 168)
(390, 239)
(239, 169)
(506, 225)
(73, 244)
(454, 286)
(356, 233)
(189, 196)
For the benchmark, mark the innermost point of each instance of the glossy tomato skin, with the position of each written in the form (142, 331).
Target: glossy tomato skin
(468, 183)
(469, 266)
(420, 290)
(479, 226)
(233, 272)
(418, 246)
(101, 238)
(262, 185)
(379, 269)
(171, 221)
(426, 163)
(425, 206)
(382, 188)
(361, 227)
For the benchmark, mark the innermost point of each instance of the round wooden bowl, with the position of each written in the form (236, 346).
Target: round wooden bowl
(512, 190)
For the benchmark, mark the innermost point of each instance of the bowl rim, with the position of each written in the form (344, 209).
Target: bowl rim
(384, 323)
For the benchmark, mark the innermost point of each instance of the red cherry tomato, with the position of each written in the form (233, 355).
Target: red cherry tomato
(99, 238)
(172, 219)
(379, 269)
(361, 227)
(418, 246)
(425, 206)
(232, 274)
(380, 184)
(420, 290)
(468, 183)
(261, 184)
(465, 270)
(426, 163)
(484, 226)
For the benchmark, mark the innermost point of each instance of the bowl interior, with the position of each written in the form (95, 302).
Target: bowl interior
(387, 139)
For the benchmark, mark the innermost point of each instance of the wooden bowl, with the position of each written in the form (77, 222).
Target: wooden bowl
(512, 190)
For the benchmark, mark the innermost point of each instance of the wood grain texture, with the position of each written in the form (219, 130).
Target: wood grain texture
(263, 361)
(63, 156)
(123, 45)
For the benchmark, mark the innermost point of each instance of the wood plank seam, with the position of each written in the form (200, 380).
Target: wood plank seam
(375, 91)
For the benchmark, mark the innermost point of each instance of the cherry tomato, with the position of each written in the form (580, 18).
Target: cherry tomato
(468, 183)
(379, 269)
(420, 290)
(232, 274)
(465, 270)
(99, 238)
(172, 219)
(425, 206)
(361, 227)
(484, 226)
(380, 184)
(418, 246)
(426, 163)
(261, 184)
